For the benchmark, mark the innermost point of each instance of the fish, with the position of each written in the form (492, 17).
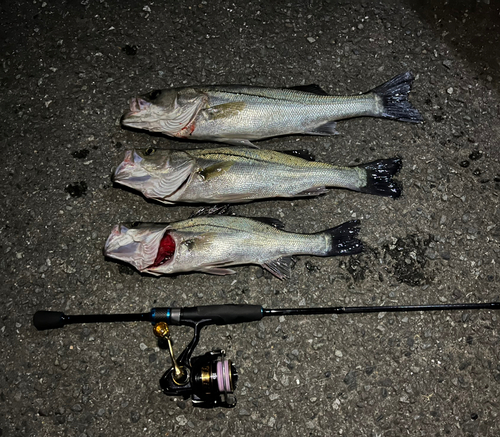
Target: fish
(243, 174)
(212, 243)
(239, 114)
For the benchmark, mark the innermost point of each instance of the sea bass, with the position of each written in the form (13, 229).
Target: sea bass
(238, 114)
(242, 174)
(211, 244)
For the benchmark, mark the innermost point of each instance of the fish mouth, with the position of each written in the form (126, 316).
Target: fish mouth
(146, 249)
(137, 110)
(129, 172)
(138, 104)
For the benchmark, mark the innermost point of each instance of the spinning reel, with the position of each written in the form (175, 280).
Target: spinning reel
(210, 379)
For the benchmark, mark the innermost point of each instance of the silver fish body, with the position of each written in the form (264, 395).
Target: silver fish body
(211, 244)
(242, 174)
(237, 114)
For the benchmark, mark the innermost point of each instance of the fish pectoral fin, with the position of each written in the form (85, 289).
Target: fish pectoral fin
(168, 185)
(237, 142)
(217, 271)
(218, 268)
(313, 192)
(325, 129)
(311, 88)
(225, 110)
(281, 267)
(212, 171)
(278, 224)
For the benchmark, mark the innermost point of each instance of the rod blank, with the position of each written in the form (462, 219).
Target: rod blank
(231, 314)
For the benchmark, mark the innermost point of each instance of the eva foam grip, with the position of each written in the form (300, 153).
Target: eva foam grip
(48, 320)
(223, 314)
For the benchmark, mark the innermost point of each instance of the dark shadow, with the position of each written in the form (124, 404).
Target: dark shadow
(472, 28)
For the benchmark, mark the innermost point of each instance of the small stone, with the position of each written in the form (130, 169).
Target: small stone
(311, 39)
(338, 353)
(447, 63)
(450, 90)
(181, 420)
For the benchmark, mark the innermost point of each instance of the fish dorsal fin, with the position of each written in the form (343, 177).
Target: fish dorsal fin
(218, 209)
(281, 267)
(311, 88)
(237, 142)
(304, 154)
(212, 171)
(270, 221)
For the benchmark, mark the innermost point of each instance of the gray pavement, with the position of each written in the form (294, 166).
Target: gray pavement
(68, 70)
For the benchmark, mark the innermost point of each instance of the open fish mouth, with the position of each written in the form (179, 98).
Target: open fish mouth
(145, 249)
(138, 109)
(138, 104)
(129, 172)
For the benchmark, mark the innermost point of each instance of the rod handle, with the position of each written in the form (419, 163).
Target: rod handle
(228, 314)
(48, 320)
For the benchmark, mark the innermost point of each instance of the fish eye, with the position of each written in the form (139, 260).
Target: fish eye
(154, 94)
(149, 151)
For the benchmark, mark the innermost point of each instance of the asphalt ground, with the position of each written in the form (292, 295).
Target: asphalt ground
(68, 71)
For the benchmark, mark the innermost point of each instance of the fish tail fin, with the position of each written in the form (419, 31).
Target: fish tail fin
(379, 177)
(343, 239)
(394, 95)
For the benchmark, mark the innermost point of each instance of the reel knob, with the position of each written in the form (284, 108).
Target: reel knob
(179, 376)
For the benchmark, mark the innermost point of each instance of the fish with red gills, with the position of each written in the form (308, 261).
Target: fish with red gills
(211, 244)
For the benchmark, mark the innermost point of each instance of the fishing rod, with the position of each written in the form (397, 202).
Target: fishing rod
(210, 379)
